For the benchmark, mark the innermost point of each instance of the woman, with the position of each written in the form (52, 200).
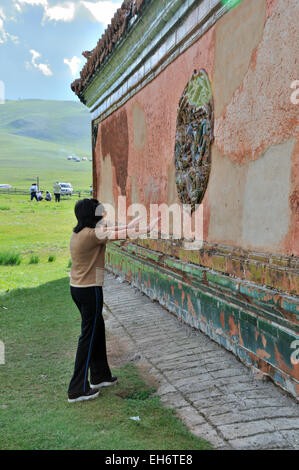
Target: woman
(40, 195)
(48, 196)
(87, 247)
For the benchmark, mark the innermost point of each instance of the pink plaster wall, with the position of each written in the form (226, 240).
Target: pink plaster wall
(258, 117)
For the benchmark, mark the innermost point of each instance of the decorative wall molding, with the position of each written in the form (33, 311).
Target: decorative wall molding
(163, 32)
(257, 324)
(263, 269)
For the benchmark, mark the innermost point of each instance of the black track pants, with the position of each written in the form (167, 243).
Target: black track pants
(91, 351)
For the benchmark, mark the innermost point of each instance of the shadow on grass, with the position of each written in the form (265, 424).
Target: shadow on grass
(40, 328)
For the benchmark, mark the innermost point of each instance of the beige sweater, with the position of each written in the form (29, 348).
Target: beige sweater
(88, 257)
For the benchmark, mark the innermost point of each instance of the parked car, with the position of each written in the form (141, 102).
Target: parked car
(66, 189)
(77, 159)
(84, 159)
(70, 157)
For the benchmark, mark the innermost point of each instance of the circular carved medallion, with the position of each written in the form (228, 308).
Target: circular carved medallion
(194, 136)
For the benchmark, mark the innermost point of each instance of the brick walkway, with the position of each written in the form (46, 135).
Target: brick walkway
(218, 397)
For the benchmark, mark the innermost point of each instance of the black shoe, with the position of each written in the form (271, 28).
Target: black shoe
(105, 383)
(90, 395)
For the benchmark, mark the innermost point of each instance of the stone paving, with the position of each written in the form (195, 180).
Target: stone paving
(218, 397)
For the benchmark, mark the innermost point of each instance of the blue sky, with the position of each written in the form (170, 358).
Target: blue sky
(41, 42)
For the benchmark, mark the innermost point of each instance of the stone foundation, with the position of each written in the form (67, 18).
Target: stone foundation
(257, 323)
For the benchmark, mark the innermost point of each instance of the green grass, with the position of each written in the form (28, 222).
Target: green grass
(36, 138)
(40, 326)
(8, 258)
(31, 228)
(60, 122)
(34, 259)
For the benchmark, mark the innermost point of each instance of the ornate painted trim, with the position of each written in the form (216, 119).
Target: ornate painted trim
(255, 323)
(164, 31)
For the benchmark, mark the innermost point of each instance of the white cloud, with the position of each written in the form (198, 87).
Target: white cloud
(4, 35)
(32, 3)
(2, 14)
(35, 55)
(44, 68)
(61, 12)
(18, 7)
(74, 64)
(102, 11)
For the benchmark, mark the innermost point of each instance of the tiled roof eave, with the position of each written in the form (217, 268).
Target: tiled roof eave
(120, 25)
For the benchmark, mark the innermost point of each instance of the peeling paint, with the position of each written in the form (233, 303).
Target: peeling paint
(272, 78)
(262, 354)
(234, 331)
(222, 319)
(190, 306)
(292, 371)
(115, 142)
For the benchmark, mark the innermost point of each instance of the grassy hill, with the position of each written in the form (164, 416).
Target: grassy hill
(36, 136)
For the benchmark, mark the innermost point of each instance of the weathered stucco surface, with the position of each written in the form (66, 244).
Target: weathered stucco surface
(259, 116)
(266, 213)
(115, 142)
(226, 198)
(252, 195)
(291, 241)
(260, 113)
(237, 35)
(133, 191)
(105, 191)
(271, 4)
(139, 126)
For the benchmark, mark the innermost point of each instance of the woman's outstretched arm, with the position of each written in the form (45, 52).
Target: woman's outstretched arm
(130, 225)
(130, 232)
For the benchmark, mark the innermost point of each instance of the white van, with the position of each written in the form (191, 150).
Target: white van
(66, 189)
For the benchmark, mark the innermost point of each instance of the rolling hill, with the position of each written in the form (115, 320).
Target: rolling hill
(36, 136)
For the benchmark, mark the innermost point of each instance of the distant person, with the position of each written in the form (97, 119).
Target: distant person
(91, 189)
(40, 195)
(57, 191)
(33, 191)
(48, 196)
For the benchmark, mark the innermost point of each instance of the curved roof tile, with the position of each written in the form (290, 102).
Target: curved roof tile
(118, 26)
